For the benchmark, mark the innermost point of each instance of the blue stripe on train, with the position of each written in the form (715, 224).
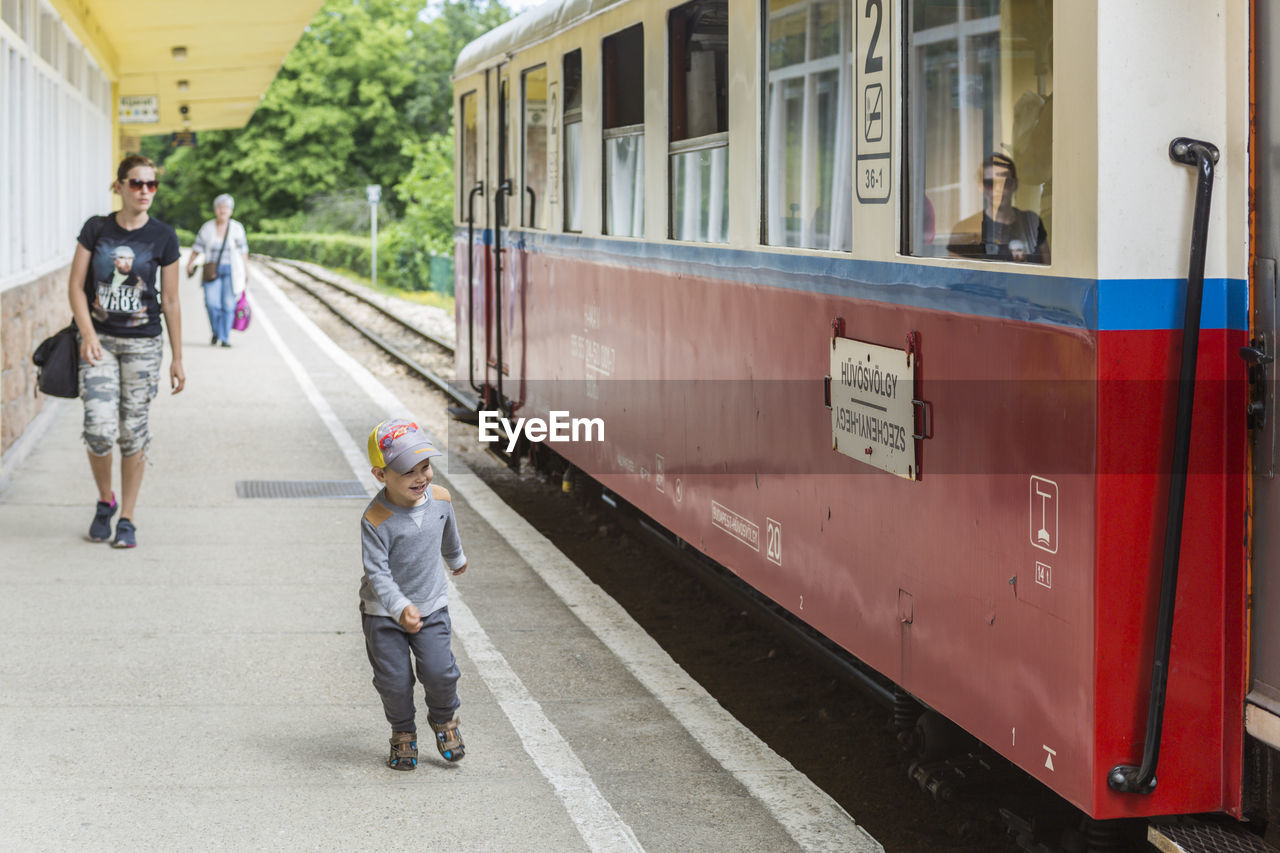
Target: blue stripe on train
(1105, 304)
(1157, 303)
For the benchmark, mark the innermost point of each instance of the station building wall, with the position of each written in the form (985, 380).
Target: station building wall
(56, 145)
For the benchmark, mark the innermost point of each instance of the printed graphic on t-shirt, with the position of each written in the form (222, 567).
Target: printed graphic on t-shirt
(120, 291)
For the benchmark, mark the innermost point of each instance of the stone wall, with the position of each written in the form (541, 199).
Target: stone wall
(28, 314)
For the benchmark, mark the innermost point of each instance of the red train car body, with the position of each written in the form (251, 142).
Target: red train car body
(1010, 577)
(716, 428)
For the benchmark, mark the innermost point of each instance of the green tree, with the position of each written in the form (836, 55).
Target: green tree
(366, 77)
(366, 96)
(426, 192)
(448, 28)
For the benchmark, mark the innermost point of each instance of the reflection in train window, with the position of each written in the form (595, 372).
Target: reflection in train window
(808, 146)
(573, 141)
(469, 153)
(624, 133)
(980, 129)
(534, 200)
(699, 111)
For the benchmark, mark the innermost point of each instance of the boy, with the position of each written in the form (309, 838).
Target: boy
(406, 530)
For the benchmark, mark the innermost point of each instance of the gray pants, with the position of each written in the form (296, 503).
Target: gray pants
(389, 646)
(117, 394)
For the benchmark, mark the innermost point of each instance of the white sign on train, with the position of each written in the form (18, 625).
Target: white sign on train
(871, 410)
(873, 100)
(743, 529)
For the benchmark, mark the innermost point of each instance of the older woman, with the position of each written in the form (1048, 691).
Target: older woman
(225, 247)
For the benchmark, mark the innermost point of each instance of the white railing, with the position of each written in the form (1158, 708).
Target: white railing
(55, 140)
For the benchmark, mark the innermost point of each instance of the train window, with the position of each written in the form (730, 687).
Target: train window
(624, 133)
(699, 121)
(808, 117)
(470, 153)
(573, 141)
(980, 129)
(535, 147)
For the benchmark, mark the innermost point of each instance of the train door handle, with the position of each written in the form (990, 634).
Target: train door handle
(1256, 356)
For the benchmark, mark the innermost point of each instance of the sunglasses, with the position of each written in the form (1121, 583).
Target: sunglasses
(137, 184)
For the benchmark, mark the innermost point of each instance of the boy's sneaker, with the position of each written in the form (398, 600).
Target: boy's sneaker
(449, 739)
(100, 529)
(404, 751)
(125, 535)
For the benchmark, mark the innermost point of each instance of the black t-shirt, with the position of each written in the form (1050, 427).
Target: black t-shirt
(999, 239)
(123, 281)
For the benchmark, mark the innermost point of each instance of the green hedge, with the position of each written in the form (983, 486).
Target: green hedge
(400, 263)
(185, 237)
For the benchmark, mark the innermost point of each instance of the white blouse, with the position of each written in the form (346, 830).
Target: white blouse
(209, 243)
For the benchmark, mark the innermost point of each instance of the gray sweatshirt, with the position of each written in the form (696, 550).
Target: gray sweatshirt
(403, 550)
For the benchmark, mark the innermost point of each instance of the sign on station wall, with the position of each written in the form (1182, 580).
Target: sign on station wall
(139, 109)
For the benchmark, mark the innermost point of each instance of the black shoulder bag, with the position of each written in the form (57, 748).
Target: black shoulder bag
(57, 360)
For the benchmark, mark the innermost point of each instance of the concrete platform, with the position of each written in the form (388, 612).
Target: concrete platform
(209, 690)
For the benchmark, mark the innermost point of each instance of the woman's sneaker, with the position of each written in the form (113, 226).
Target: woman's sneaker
(404, 751)
(100, 529)
(126, 535)
(449, 739)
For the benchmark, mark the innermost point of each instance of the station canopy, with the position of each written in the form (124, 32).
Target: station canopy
(216, 58)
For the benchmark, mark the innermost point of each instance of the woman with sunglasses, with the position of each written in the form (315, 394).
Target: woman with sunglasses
(124, 276)
(225, 247)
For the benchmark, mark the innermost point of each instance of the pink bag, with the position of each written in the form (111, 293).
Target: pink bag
(243, 314)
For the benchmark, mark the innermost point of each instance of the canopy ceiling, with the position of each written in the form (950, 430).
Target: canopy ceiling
(233, 50)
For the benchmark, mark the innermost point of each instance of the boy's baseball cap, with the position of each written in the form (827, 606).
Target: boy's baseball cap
(399, 445)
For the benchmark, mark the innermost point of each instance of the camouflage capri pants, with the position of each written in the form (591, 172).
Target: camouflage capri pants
(117, 394)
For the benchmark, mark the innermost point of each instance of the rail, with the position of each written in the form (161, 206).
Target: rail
(355, 294)
(430, 376)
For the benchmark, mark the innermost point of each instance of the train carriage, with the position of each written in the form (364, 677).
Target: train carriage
(893, 309)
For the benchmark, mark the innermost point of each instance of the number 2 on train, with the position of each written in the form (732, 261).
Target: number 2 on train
(874, 63)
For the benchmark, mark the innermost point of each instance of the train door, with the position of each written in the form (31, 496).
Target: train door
(473, 187)
(498, 292)
(1263, 711)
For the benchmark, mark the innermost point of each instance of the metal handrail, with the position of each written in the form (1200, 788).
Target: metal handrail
(499, 213)
(1125, 778)
(478, 189)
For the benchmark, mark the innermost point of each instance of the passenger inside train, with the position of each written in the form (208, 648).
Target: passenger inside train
(1000, 231)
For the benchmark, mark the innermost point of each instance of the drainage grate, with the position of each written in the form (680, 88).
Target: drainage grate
(300, 489)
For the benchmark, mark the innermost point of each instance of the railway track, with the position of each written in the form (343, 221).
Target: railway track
(399, 338)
